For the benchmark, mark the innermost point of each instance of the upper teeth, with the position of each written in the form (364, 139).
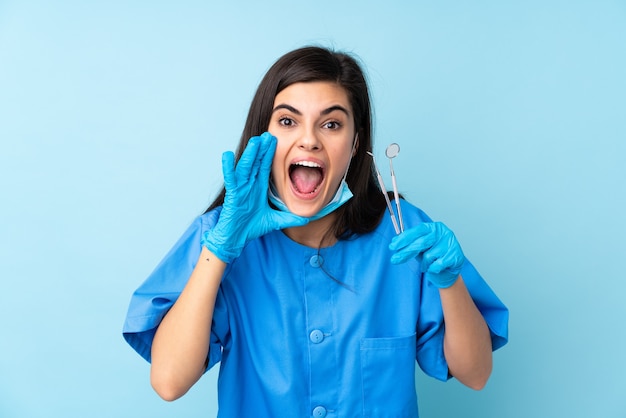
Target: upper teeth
(308, 164)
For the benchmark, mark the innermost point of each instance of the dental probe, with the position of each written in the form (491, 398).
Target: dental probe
(381, 183)
(392, 151)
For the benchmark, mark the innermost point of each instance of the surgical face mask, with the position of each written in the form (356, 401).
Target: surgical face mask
(342, 195)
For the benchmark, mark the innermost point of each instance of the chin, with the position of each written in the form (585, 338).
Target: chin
(305, 212)
(304, 209)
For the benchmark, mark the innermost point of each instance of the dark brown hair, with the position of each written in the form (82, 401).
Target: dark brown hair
(362, 213)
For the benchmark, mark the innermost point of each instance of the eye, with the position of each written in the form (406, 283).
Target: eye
(332, 125)
(285, 121)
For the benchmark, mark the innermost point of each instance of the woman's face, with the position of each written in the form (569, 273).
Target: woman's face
(314, 125)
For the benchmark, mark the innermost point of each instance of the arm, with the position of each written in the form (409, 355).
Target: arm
(467, 340)
(181, 343)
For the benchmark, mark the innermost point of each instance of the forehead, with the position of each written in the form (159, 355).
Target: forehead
(317, 94)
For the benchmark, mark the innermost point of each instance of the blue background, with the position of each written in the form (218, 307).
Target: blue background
(113, 117)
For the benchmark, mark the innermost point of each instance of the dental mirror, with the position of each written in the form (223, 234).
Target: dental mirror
(392, 150)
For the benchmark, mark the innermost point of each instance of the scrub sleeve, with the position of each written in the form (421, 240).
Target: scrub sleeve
(153, 299)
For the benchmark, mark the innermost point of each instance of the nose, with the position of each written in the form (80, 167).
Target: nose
(309, 141)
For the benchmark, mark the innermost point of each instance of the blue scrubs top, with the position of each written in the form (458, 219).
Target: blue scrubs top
(334, 332)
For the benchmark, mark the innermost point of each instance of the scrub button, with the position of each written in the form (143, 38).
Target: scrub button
(319, 412)
(316, 260)
(316, 336)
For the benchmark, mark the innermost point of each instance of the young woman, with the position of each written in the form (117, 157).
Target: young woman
(295, 280)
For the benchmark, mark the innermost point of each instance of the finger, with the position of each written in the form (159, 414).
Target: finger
(415, 250)
(431, 257)
(416, 245)
(402, 257)
(409, 236)
(452, 260)
(228, 170)
(267, 158)
(407, 253)
(264, 144)
(258, 178)
(282, 220)
(259, 172)
(413, 242)
(247, 160)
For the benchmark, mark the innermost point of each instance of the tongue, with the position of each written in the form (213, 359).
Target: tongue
(306, 179)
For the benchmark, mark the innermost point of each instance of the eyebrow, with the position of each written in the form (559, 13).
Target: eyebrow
(323, 112)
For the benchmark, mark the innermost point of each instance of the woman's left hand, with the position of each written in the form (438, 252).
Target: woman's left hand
(435, 247)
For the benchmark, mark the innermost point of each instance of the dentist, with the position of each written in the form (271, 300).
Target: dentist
(294, 279)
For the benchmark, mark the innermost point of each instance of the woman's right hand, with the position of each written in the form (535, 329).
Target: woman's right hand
(246, 213)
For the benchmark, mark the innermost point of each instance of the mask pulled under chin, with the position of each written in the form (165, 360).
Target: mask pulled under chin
(342, 195)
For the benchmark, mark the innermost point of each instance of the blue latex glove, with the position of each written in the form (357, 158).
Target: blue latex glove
(246, 213)
(435, 247)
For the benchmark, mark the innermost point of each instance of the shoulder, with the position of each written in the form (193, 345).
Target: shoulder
(412, 213)
(189, 242)
(208, 219)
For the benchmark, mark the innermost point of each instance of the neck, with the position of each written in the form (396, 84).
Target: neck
(314, 234)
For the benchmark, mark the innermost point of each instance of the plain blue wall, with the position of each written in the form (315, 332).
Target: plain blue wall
(113, 117)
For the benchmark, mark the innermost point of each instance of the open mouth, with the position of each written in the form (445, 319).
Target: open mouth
(306, 177)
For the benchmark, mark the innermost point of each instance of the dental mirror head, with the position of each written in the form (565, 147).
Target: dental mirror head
(392, 150)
